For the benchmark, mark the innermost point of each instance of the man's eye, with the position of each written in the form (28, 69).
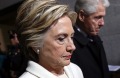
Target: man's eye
(98, 17)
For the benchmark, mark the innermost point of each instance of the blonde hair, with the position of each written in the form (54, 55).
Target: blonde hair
(36, 16)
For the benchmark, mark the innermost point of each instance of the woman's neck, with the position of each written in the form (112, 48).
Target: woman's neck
(55, 69)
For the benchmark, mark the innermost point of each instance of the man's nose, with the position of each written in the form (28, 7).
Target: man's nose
(101, 22)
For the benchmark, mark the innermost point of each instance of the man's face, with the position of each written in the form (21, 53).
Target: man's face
(94, 21)
(58, 45)
(15, 40)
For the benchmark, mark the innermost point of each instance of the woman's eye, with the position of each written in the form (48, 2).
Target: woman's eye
(72, 38)
(61, 39)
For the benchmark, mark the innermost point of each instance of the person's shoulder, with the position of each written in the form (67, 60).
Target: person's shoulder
(27, 75)
(74, 65)
(76, 70)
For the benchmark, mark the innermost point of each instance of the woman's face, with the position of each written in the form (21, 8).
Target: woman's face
(58, 44)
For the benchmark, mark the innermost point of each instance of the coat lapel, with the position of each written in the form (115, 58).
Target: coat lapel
(80, 37)
(68, 71)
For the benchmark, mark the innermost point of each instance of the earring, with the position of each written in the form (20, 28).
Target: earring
(38, 51)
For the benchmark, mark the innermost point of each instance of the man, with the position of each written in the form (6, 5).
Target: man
(15, 56)
(89, 54)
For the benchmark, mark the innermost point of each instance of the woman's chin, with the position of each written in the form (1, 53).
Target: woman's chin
(67, 62)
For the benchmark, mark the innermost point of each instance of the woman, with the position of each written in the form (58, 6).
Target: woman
(45, 31)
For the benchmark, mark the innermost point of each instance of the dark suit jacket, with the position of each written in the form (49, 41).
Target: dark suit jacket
(90, 56)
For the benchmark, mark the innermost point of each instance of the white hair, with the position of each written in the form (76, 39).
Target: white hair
(89, 6)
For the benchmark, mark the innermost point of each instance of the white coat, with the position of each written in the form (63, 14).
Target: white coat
(35, 70)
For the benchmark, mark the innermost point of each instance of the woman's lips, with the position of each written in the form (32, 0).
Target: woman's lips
(68, 57)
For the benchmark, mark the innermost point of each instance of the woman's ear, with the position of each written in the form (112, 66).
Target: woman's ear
(81, 15)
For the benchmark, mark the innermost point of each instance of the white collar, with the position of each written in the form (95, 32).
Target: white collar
(40, 71)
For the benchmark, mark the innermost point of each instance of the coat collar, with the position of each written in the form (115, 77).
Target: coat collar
(39, 71)
(80, 37)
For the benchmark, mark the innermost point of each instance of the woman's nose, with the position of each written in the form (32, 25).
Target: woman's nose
(71, 46)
